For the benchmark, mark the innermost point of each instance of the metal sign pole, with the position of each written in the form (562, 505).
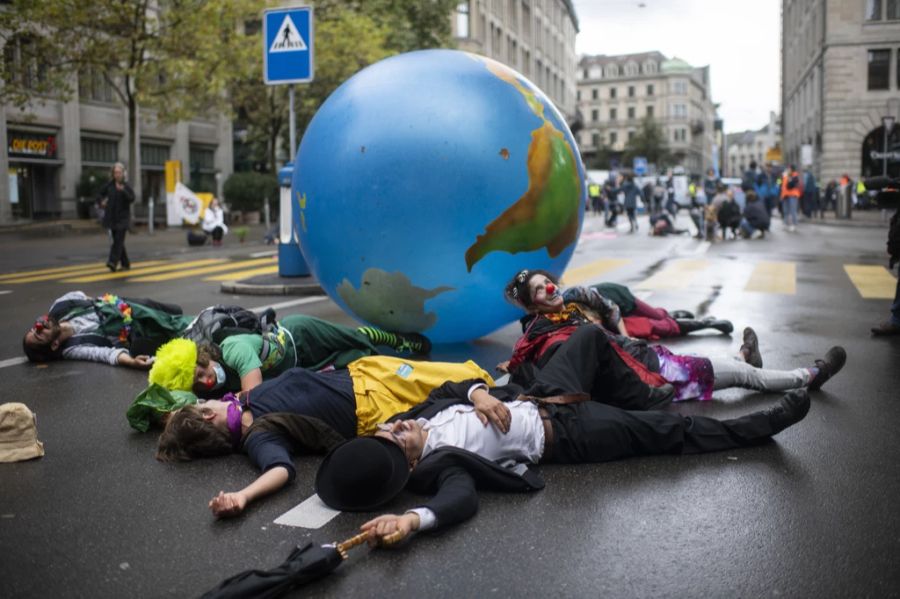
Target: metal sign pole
(292, 123)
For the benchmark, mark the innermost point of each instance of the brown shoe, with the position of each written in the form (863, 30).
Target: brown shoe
(885, 329)
(750, 348)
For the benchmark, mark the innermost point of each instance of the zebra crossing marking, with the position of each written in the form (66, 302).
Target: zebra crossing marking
(773, 277)
(872, 282)
(201, 270)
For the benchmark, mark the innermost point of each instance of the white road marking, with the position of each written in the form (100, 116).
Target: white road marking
(5, 291)
(288, 304)
(13, 362)
(312, 513)
(262, 254)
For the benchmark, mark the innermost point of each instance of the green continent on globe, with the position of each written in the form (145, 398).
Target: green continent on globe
(390, 301)
(547, 213)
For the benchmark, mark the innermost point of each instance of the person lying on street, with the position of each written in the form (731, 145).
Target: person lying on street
(447, 449)
(241, 362)
(108, 329)
(610, 305)
(694, 377)
(300, 411)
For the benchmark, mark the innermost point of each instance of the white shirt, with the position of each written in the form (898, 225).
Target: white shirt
(459, 426)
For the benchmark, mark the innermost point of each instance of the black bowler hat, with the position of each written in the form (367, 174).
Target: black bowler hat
(361, 474)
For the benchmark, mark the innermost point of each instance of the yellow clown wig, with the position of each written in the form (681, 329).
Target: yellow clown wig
(174, 365)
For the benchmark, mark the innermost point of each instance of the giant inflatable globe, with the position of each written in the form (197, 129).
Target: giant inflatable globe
(425, 182)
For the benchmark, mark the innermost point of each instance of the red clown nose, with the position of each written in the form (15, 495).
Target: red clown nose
(551, 288)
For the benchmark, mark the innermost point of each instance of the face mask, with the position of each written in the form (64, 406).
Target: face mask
(234, 418)
(220, 376)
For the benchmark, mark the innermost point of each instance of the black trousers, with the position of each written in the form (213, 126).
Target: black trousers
(592, 432)
(117, 252)
(586, 362)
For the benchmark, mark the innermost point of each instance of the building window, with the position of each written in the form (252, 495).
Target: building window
(612, 92)
(595, 140)
(631, 112)
(650, 112)
(630, 91)
(23, 63)
(154, 154)
(203, 169)
(612, 71)
(462, 19)
(585, 74)
(679, 86)
(650, 90)
(630, 135)
(879, 68)
(99, 151)
(595, 93)
(578, 94)
(595, 115)
(94, 86)
(613, 138)
(612, 114)
(874, 10)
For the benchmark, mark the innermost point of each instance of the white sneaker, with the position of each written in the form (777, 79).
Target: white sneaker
(792, 228)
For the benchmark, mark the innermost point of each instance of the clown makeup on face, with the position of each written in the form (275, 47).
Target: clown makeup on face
(43, 333)
(546, 295)
(209, 377)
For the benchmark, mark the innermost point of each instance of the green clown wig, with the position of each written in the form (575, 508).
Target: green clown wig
(174, 366)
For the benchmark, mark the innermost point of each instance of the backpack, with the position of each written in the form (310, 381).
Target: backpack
(215, 323)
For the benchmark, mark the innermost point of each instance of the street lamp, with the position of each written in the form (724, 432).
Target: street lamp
(887, 123)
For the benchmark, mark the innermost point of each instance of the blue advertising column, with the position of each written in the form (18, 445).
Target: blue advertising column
(290, 259)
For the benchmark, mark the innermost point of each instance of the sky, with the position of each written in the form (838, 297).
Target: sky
(740, 41)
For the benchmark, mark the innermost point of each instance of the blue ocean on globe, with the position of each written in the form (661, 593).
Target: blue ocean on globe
(425, 182)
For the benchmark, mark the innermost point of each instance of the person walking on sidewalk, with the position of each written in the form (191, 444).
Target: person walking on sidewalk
(115, 198)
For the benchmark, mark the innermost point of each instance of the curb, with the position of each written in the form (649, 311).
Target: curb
(301, 289)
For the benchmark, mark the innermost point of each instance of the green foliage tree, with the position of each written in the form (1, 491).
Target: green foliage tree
(650, 142)
(247, 191)
(174, 56)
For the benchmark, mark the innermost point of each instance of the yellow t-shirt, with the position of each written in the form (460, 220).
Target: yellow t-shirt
(385, 385)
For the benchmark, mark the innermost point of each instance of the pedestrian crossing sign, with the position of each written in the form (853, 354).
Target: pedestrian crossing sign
(288, 45)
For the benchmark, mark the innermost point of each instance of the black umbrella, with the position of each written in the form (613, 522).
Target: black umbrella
(305, 564)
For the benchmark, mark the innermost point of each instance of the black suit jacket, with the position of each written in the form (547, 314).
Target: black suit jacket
(452, 475)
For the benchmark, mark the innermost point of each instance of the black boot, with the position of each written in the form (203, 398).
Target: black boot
(689, 326)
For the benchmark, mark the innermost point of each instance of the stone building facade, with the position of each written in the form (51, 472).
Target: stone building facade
(751, 146)
(840, 77)
(615, 93)
(53, 145)
(535, 37)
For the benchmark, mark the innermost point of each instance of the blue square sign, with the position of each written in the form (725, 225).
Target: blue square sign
(288, 45)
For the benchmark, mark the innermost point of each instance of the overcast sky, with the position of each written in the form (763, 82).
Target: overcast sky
(740, 41)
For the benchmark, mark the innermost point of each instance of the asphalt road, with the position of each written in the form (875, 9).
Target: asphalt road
(811, 514)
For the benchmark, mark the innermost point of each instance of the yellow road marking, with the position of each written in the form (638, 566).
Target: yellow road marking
(204, 270)
(676, 275)
(83, 272)
(774, 277)
(122, 274)
(580, 274)
(55, 269)
(872, 282)
(243, 274)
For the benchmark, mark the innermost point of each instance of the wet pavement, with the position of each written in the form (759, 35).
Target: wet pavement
(812, 513)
